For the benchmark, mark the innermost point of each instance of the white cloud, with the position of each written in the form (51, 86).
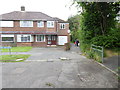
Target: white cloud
(54, 8)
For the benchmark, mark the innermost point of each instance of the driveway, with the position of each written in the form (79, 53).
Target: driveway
(45, 69)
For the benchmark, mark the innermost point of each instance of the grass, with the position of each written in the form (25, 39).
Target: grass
(13, 58)
(18, 49)
(110, 53)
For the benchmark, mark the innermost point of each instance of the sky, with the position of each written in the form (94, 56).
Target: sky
(53, 8)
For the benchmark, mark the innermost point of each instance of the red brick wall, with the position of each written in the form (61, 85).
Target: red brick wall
(39, 44)
(34, 28)
(24, 44)
(63, 31)
(9, 44)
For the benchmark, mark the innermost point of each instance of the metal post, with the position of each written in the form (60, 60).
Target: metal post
(102, 54)
(10, 51)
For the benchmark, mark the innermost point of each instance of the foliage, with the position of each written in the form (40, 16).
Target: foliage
(13, 58)
(98, 24)
(74, 26)
(67, 46)
(18, 49)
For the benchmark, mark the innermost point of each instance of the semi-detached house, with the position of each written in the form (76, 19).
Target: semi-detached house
(22, 28)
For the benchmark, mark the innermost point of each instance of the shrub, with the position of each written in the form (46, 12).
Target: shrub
(67, 46)
(90, 54)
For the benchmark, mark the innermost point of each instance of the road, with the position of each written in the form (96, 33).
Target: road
(45, 69)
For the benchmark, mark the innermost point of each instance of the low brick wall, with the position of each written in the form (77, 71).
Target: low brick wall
(12, 44)
(39, 44)
(24, 44)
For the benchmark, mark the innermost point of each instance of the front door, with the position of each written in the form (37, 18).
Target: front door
(51, 39)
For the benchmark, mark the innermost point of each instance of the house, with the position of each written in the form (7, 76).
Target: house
(22, 28)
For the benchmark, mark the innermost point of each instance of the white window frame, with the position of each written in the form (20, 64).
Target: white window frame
(7, 37)
(61, 25)
(37, 38)
(6, 24)
(26, 23)
(40, 23)
(24, 35)
(50, 24)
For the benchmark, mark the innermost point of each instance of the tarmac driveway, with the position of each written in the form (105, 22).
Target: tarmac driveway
(44, 69)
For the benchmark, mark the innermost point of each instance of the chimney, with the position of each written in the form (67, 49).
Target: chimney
(22, 8)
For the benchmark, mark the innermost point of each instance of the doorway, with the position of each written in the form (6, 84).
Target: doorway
(51, 40)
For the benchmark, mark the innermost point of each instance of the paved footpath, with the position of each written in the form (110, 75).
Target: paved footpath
(45, 69)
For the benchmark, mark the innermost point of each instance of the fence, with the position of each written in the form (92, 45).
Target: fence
(98, 49)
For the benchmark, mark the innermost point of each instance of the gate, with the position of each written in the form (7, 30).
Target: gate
(98, 49)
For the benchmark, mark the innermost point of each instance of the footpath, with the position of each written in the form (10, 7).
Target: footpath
(111, 62)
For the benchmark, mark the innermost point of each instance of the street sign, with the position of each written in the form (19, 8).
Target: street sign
(6, 48)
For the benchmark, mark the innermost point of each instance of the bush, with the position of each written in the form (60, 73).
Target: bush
(111, 40)
(90, 54)
(67, 46)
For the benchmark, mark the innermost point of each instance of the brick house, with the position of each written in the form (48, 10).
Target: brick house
(22, 28)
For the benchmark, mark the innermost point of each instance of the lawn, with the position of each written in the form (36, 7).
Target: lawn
(13, 58)
(18, 49)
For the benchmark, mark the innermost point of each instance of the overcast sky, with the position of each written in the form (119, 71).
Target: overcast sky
(54, 8)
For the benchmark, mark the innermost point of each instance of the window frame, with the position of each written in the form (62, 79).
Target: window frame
(49, 24)
(7, 37)
(24, 37)
(39, 24)
(61, 26)
(22, 21)
(37, 38)
(2, 23)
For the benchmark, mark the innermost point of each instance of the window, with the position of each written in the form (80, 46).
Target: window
(40, 38)
(6, 23)
(62, 26)
(40, 24)
(26, 23)
(50, 23)
(7, 38)
(25, 38)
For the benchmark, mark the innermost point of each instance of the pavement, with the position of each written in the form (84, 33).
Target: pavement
(112, 63)
(45, 69)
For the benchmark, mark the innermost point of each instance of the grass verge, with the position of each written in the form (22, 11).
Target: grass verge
(13, 58)
(18, 49)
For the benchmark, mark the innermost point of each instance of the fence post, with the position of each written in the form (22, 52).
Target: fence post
(102, 54)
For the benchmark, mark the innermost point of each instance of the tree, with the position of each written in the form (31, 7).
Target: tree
(74, 23)
(97, 23)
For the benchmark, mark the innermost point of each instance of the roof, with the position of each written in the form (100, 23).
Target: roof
(59, 20)
(24, 15)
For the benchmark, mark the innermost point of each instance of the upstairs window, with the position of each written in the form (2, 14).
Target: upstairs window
(6, 23)
(40, 24)
(62, 26)
(50, 24)
(26, 23)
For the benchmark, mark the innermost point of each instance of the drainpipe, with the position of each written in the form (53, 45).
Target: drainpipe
(57, 31)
